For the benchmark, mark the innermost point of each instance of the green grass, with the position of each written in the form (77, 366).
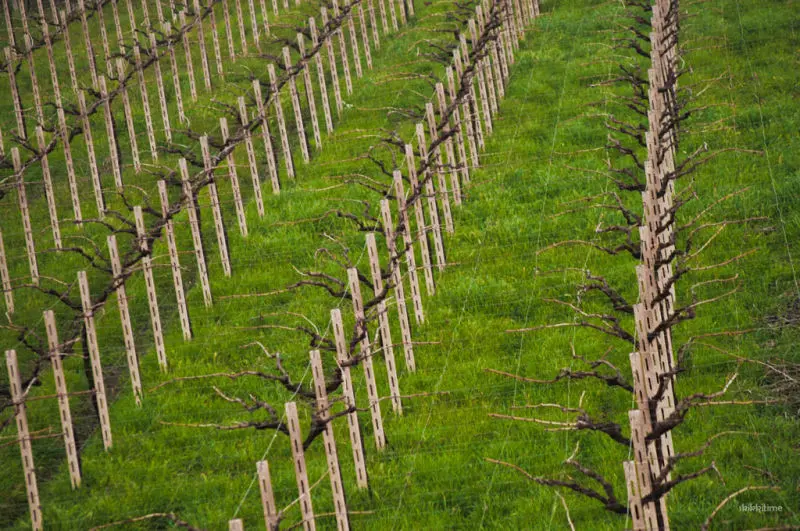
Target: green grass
(434, 474)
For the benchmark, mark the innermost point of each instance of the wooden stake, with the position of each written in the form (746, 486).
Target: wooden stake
(63, 399)
(188, 52)
(226, 18)
(422, 228)
(93, 171)
(12, 41)
(126, 105)
(382, 9)
(392, 14)
(466, 123)
(23, 436)
(405, 228)
(264, 19)
(87, 40)
(436, 226)
(94, 358)
(487, 114)
(216, 210)
(376, 40)
(312, 104)
(212, 18)
(148, 117)
(383, 323)
(236, 525)
(366, 358)
(276, 99)
(12, 80)
(191, 208)
(254, 23)
(634, 498)
(111, 134)
(240, 25)
(150, 284)
(397, 283)
(342, 48)
(175, 265)
(348, 394)
(364, 35)
(162, 97)
(323, 411)
(459, 128)
(176, 79)
(98, 8)
(323, 88)
(48, 187)
(272, 164)
(300, 473)
(337, 93)
(73, 76)
(298, 115)
(232, 175)
(402, 11)
(201, 38)
(117, 25)
(37, 98)
(22, 196)
(125, 319)
(267, 496)
(455, 184)
(354, 43)
(5, 278)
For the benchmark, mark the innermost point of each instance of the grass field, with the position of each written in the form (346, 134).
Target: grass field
(743, 57)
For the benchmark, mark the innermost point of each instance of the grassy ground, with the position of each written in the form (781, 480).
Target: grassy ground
(434, 473)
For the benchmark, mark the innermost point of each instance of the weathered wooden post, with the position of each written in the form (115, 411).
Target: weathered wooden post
(300, 473)
(48, 188)
(354, 43)
(237, 524)
(411, 261)
(349, 396)
(87, 40)
(254, 23)
(240, 24)
(184, 31)
(383, 324)
(458, 164)
(366, 358)
(234, 177)
(342, 47)
(463, 124)
(23, 436)
(312, 104)
(272, 163)
(267, 496)
(63, 399)
(276, 100)
(332, 456)
(5, 278)
(174, 260)
(337, 92)
(150, 285)
(197, 241)
(111, 134)
(22, 197)
(364, 35)
(126, 107)
(455, 185)
(397, 282)
(90, 153)
(216, 209)
(376, 39)
(298, 114)
(226, 18)
(323, 88)
(12, 80)
(176, 79)
(212, 19)
(94, 359)
(125, 319)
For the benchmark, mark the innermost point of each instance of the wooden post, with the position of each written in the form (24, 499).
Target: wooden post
(471, 115)
(197, 241)
(94, 358)
(430, 192)
(642, 466)
(351, 25)
(148, 118)
(272, 163)
(201, 39)
(332, 456)
(463, 124)
(405, 227)
(254, 23)
(487, 114)
(348, 83)
(117, 25)
(48, 187)
(264, 17)
(392, 14)
(176, 79)
(37, 98)
(212, 18)
(267, 496)
(12, 42)
(150, 284)
(177, 277)
(397, 282)
(422, 229)
(110, 133)
(93, 171)
(216, 210)
(188, 52)
(300, 473)
(276, 99)
(125, 319)
(382, 9)
(104, 39)
(236, 525)
(455, 184)
(337, 92)
(402, 11)
(349, 396)
(232, 175)
(312, 104)
(435, 160)
(226, 18)
(87, 40)
(376, 40)
(162, 97)
(63, 398)
(5, 278)
(23, 436)
(22, 197)
(634, 497)
(364, 35)
(12, 80)
(323, 88)
(68, 50)
(383, 324)
(240, 24)
(366, 358)
(463, 163)
(298, 115)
